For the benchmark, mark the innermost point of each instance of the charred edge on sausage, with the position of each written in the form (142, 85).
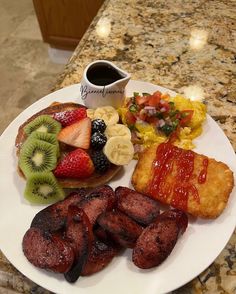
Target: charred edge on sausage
(79, 233)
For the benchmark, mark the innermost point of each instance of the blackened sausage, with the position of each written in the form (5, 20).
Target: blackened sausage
(121, 228)
(97, 202)
(47, 251)
(100, 256)
(158, 239)
(53, 217)
(139, 207)
(155, 243)
(104, 191)
(101, 234)
(179, 216)
(79, 234)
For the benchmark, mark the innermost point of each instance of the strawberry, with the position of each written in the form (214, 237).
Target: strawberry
(77, 135)
(69, 117)
(76, 164)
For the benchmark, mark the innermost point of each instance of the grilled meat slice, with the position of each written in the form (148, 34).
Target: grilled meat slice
(121, 228)
(80, 236)
(139, 207)
(53, 217)
(47, 250)
(99, 257)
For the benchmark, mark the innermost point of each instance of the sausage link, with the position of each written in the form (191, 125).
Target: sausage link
(179, 216)
(47, 251)
(97, 202)
(158, 239)
(80, 235)
(121, 228)
(53, 217)
(155, 243)
(100, 256)
(139, 207)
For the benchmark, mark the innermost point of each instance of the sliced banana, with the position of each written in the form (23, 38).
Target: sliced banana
(118, 130)
(119, 150)
(108, 114)
(90, 113)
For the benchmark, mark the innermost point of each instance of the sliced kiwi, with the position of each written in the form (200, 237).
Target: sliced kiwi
(43, 123)
(43, 188)
(47, 137)
(37, 156)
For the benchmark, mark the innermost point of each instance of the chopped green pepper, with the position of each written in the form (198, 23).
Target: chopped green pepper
(167, 129)
(136, 94)
(172, 105)
(133, 108)
(175, 123)
(173, 112)
(159, 115)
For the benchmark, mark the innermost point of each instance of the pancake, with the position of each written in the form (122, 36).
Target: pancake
(95, 180)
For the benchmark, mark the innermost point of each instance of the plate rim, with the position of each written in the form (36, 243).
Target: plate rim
(41, 101)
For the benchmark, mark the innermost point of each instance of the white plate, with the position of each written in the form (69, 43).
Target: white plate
(194, 252)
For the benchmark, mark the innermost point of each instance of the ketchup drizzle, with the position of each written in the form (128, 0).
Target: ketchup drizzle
(203, 173)
(180, 187)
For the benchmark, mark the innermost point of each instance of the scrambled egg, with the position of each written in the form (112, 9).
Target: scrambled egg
(147, 134)
(199, 114)
(194, 128)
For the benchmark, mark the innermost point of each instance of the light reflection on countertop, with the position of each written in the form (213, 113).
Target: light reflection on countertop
(194, 92)
(198, 39)
(103, 27)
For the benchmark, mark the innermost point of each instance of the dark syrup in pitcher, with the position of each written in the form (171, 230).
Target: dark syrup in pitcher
(103, 74)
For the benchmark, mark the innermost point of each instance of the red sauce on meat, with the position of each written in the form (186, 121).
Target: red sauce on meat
(168, 157)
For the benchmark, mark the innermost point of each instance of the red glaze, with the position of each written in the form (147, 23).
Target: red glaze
(203, 174)
(181, 187)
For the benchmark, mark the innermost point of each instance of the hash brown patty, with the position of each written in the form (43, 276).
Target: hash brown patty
(213, 193)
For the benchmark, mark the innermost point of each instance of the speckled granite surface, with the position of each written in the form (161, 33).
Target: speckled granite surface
(158, 42)
(185, 45)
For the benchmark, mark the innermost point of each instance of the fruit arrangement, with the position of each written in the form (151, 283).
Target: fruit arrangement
(72, 148)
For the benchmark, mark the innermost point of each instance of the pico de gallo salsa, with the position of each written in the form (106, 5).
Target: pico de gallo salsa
(157, 117)
(157, 110)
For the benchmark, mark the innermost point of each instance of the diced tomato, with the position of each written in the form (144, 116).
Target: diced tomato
(130, 118)
(152, 120)
(141, 99)
(158, 93)
(142, 115)
(186, 116)
(165, 96)
(165, 105)
(178, 115)
(154, 99)
(174, 136)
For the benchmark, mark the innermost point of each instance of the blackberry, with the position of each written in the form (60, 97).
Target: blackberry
(98, 140)
(100, 161)
(98, 125)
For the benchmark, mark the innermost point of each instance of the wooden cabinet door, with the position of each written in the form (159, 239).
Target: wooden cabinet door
(63, 22)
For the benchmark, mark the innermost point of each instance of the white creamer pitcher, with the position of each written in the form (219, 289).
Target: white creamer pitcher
(102, 84)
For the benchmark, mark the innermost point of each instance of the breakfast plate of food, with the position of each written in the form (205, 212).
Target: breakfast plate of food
(139, 198)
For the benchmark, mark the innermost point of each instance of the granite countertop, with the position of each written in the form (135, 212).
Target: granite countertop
(186, 46)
